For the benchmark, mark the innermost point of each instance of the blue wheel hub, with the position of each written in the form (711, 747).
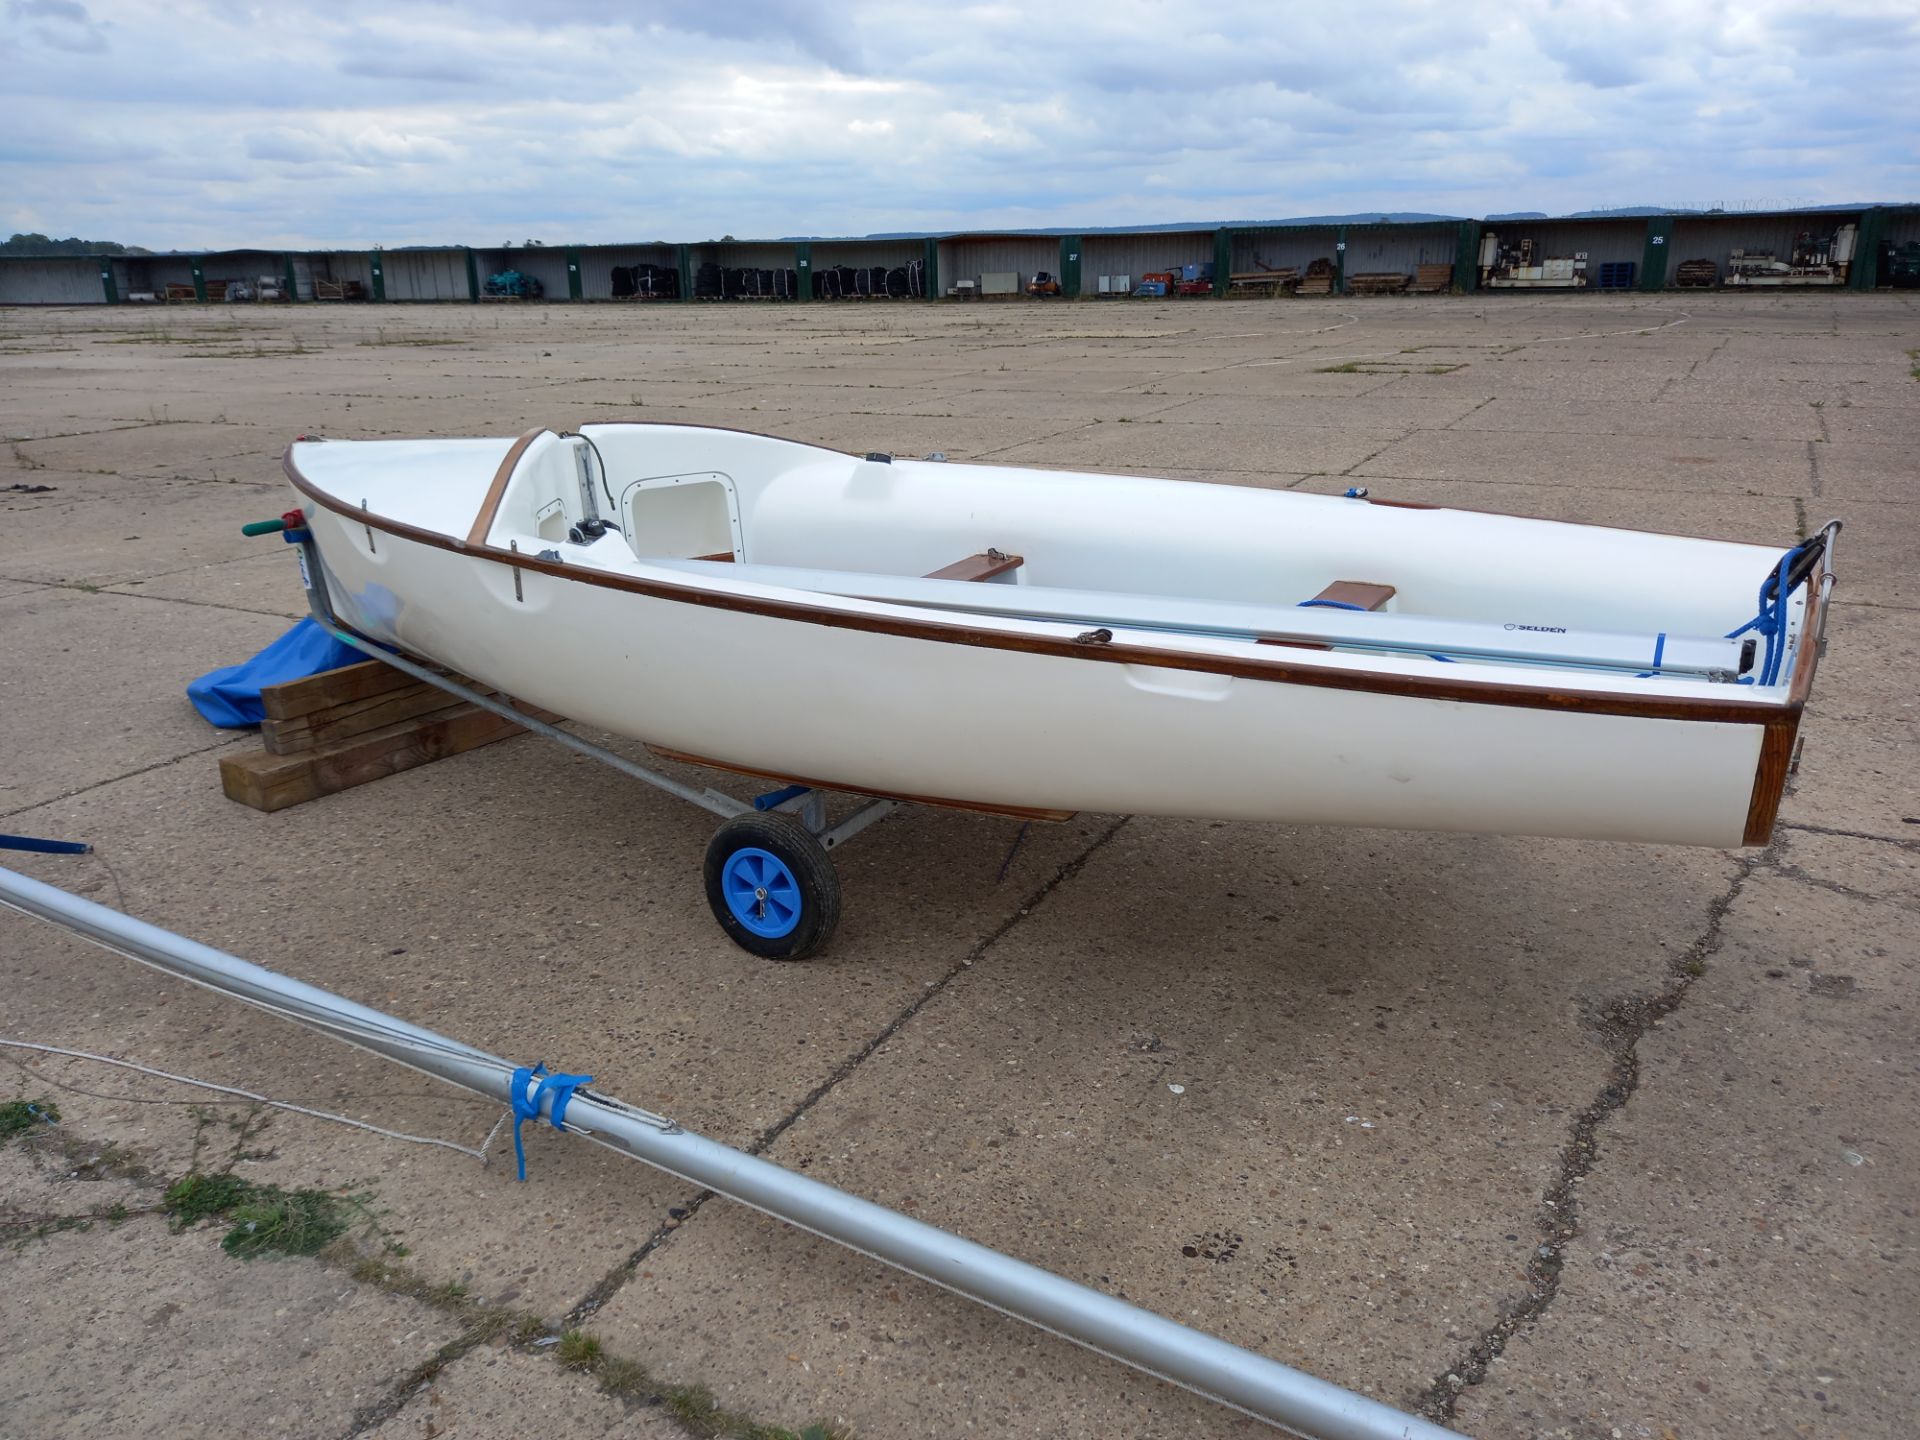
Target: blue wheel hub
(761, 892)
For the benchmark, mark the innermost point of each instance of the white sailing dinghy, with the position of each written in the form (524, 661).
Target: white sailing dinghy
(1039, 642)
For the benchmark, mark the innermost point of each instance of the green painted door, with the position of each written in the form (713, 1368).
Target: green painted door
(1656, 258)
(199, 279)
(803, 270)
(1340, 261)
(1466, 258)
(473, 278)
(379, 276)
(1070, 266)
(1222, 263)
(933, 268)
(573, 273)
(106, 282)
(1865, 272)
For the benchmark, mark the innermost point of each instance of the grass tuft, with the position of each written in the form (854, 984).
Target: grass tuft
(578, 1350)
(17, 1117)
(262, 1219)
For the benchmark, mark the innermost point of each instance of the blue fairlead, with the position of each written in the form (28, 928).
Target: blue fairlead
(1771, 621)
(761, 892)
(526, 1102)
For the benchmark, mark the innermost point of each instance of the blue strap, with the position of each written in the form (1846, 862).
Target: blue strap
(1771, 620)
(1659, 648)
(529, 1084)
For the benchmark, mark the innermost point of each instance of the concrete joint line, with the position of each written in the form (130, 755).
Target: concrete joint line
(1897, 841)
(610, 1284)
(128, 775)
(1620, 1026)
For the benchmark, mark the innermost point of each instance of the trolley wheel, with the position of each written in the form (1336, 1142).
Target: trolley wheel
(771, 887)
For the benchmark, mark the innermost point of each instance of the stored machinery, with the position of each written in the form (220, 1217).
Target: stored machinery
(1814, 260)
(1043, 285)
(513, 285)
(1522, 265)
(1900, 266)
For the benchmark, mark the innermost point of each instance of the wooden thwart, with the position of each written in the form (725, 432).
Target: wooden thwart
(977, 567)
(345, 727)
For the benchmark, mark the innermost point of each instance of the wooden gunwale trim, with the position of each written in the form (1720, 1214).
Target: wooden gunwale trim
(490, 506)
(1655, 707)
(1776, 744)
(1015, 812)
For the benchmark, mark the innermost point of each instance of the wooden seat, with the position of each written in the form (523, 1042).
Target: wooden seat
(1359, 594)
(980, 567)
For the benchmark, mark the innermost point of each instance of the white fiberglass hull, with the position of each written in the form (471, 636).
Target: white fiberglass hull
(1003, 716)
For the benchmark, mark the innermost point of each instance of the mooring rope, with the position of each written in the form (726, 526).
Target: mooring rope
(480, 1154)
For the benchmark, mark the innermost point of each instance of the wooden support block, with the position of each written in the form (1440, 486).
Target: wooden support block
(273, 782)
(351, 717)
(350, 683)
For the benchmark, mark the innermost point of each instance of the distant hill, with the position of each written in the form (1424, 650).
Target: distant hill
(33, 244)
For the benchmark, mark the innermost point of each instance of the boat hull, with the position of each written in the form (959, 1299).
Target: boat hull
(947, 719)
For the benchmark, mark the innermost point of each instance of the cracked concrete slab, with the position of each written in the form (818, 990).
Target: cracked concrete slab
(1177, 1119)
(120, 529)
(498, 1394)
(527, 902)
(1764, 1158)
(96, 686)
(1727, 467)
(146, 1338)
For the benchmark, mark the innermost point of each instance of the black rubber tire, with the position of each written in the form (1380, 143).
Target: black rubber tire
(819, 884)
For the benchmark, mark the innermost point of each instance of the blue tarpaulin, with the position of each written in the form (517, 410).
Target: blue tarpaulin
(230, 696)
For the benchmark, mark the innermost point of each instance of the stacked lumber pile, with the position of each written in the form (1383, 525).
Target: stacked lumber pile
(1377, 282)
(1284, 278)
(1433, 280)
(341, 728)
(1701, 274)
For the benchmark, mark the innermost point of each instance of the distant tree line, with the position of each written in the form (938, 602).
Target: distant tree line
(32, 244)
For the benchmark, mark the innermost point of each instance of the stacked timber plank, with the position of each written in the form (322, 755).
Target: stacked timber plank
(1284, 278)
(341, 728)
(1433, 279)
(1377, 282)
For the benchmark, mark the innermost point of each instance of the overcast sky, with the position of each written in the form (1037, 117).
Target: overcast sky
(185, 125)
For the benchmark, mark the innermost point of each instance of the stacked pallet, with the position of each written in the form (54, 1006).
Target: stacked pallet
(1284, 278)
(341, 728)
(1377, 282)
(1433, 279)
(1318, 280)
(1697, 273)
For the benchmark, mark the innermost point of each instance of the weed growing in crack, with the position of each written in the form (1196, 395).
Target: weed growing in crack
(694, 1406)
(263, 1219)
(17, 1117)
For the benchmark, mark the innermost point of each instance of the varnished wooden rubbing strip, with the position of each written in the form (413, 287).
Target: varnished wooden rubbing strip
(483, 522)
(976, 567)
(1649, 705)
(1770, 779)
